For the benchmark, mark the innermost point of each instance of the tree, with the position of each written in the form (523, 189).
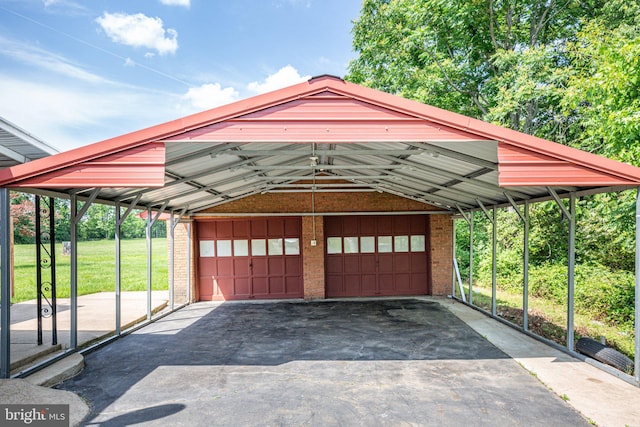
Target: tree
(23, 214)
(493, 60)
(603, 90)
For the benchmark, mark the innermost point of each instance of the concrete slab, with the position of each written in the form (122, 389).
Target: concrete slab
(23, 392)
(58, 372)
(599, 396)
(377, 362)
(96, 320)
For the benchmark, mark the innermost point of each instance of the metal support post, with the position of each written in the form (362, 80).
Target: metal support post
(571, 271)
(120, 218)
(76, 216)
(151, 220)
(172, 250)
(5, 284)
(471, 258)
(52, 245)
(73, 332)
(570, 214)
(453, 277)
(524, 216)
(149, 261)
(494, 264)
(118, 270)
(491, 216)
(637, 296)
(469, 220)
(525, 270)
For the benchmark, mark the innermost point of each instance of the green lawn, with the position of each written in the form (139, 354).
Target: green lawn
(548, 319)
(96, 268)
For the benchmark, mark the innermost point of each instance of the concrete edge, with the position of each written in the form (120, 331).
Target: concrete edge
(58, 372)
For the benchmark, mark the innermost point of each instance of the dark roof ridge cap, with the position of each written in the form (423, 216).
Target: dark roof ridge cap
(323, 76)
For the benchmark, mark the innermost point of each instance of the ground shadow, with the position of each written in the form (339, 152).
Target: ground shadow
(143, 415)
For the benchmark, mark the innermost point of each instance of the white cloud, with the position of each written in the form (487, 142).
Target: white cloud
(32, 55)
(210, 95)
(285, 76)
(185, 3)
(139, 30)
(66, 6)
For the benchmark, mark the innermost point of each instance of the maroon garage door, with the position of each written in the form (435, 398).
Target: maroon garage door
(377, 255)
(250, 258)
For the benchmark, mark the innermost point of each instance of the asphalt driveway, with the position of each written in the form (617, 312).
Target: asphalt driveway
(375, 362)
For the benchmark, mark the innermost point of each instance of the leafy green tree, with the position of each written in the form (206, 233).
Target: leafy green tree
(603, 90)
(493, 60)
(97, 223)
(63, 220)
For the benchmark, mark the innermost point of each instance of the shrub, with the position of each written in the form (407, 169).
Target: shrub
(600, 293)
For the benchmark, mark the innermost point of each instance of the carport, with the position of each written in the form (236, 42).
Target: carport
(337, 189)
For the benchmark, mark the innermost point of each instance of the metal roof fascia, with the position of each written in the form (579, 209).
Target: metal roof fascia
(119, 169)
(27, 137)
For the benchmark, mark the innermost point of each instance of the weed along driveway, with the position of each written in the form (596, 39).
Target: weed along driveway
(370, 362)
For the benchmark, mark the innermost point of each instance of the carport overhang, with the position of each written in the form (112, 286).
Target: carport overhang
(323, 135)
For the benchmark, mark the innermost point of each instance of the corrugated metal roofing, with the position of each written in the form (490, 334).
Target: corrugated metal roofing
(324, 135)
(18, 146)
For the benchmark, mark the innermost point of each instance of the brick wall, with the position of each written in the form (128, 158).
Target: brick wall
(441, 232)
(324, 202)
(441, 247)
(313, 257)
(182, 264)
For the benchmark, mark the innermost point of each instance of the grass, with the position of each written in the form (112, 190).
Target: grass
(548, 319)
(96, 268)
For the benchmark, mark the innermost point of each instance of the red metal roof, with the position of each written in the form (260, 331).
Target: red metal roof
(325, 117)
(141, 166)
(522, 167)
(332, 113)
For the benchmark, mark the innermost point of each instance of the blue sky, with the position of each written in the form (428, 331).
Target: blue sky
(74, 72)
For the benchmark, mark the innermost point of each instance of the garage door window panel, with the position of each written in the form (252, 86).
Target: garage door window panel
(240, 248)
(275, 247)
(368, 245)
(207, 248)
(334, 245)
(292, 246)
(223, 248)
(417, 243)
(350, 245)
(258, 247)
(401, 243)
(385, 244)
